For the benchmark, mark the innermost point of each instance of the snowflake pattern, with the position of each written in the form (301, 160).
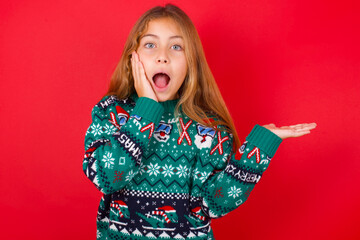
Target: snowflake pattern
(98, 234)
(153, 169)
(168, 170)
(96, 129)
(182, 167)
(234, 192)
(108, 160)
(182, 171)
(196, 173)
(130, 175)
(221, 175)
(203, 176)
(109, 129)
(142, 168)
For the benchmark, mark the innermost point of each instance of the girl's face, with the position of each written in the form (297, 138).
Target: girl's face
(161, 50)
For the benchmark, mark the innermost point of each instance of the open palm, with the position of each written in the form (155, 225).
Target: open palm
(291, 131)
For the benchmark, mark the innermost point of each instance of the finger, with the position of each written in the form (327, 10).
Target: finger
(303, 124)
(302, 133)
(295, 126)
(295, 133)
(303, 127)
(143, 75)
(137, 78)
(306, 126)
(133, 65)
(310, 126)
(138, 66)
(136, 56)
(137, 74)
(142, 71)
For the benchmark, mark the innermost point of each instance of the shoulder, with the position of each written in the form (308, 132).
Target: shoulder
(219, 128)
(112, 102)
(223, 136)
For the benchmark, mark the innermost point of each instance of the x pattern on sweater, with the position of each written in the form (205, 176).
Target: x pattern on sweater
(162, 183)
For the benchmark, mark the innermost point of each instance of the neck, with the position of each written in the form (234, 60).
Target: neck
(169, 105)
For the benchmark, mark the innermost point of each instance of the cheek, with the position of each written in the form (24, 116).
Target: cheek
(184, 67)
(142, 56)
(145, 61)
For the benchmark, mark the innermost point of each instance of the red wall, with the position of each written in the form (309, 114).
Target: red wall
(282, 62)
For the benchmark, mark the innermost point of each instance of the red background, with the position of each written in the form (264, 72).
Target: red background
(284, 62)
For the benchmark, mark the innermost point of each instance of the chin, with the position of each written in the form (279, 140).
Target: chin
(162, 99)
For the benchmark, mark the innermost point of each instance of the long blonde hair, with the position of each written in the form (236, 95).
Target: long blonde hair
(199, 94)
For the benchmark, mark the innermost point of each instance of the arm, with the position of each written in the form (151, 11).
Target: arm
(235, 175)
(114, 144)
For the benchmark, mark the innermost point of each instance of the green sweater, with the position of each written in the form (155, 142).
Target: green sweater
(159, 183)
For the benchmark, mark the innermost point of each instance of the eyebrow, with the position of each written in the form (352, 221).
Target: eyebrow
(156, 36)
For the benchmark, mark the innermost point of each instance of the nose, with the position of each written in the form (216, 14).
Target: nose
(162, 59)
(162, 56)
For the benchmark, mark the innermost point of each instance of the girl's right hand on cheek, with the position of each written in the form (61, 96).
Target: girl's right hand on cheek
(142, 85)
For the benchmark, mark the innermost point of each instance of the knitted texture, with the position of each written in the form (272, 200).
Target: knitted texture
(162, 183)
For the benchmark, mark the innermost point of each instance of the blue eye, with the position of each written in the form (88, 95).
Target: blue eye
(151, 44)
(178, 46)
(147, 44)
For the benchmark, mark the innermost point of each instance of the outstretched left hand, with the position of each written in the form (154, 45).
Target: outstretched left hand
(297, 130)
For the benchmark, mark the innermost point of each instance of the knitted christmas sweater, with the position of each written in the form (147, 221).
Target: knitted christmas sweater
(162, 183)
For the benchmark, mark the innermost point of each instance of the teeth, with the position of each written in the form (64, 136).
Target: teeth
(161, 73)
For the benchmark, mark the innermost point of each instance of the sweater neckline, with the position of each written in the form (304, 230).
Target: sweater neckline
(169, 105)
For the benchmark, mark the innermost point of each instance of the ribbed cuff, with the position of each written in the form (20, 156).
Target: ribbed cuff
(149, 109)
(264, 139)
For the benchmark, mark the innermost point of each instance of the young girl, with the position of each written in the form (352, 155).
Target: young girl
(162, 147)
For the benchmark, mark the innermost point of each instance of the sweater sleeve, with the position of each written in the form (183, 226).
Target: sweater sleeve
(115, 141)
(235, 175)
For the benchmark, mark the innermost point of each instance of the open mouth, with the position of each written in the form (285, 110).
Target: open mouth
(161, 80)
